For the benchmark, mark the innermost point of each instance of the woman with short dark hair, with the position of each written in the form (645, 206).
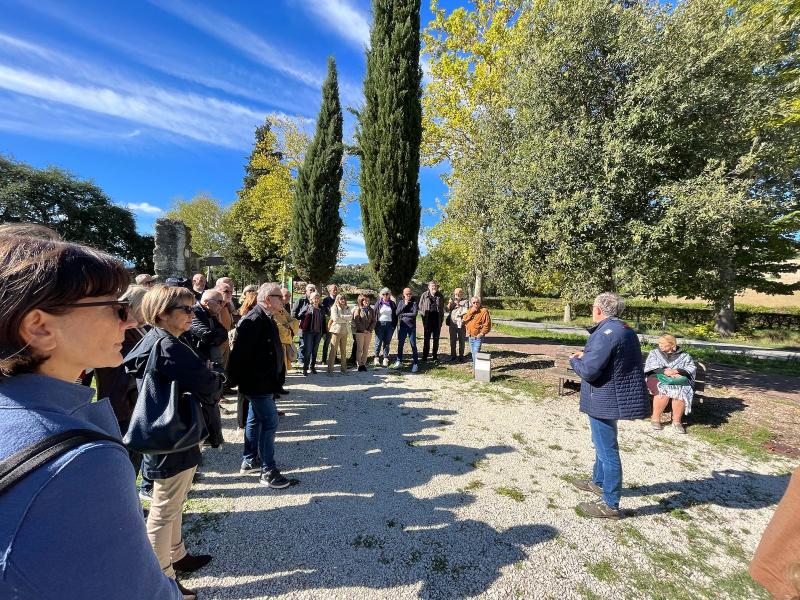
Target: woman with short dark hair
(71, 528)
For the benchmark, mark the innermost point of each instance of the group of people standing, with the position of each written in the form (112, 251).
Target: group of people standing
(332, 321)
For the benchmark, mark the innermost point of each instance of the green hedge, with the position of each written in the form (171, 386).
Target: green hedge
(654, 315)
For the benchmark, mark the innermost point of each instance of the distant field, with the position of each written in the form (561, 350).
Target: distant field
(755, 299)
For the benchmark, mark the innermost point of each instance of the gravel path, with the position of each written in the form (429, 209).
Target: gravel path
(422, 486)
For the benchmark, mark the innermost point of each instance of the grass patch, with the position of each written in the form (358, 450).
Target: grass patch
(555, 447)
(367, 541)
(479, 463)
(541, 334)
(749, 442)
(680, 514)
(439, 564)
(586, 593)
(473, 485)
(445, 372)
(511, 492)
(602, 571)
(518, 437)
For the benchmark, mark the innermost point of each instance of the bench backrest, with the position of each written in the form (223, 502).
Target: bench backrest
(561, 361)
(700, 378)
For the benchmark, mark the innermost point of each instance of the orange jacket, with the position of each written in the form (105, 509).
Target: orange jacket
(478, 322)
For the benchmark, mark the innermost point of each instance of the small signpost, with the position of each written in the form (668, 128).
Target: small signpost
(483, 366)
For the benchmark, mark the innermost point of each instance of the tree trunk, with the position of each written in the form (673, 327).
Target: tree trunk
(725, 320)
(478, 285)
(567, 312)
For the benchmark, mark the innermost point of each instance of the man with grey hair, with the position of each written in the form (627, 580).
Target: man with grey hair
(256, 365)
(612, 388)
(431, 307)
(209, 334)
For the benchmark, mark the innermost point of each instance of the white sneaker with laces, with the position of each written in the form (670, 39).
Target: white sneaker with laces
(385, 362)
(396, 364)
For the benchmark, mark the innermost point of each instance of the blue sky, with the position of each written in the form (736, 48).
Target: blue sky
(158, 100)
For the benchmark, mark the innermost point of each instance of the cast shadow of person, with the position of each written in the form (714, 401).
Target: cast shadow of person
(379, 507)
(358, 543)
(729, 489)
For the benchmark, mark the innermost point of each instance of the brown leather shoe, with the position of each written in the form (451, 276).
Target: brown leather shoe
(598, 510)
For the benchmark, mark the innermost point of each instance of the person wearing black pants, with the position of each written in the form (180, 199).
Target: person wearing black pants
(431, 307)
(327, 303)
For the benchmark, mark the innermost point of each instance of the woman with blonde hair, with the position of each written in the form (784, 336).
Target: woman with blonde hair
(168, 309)
(340, 327)
(670, 377)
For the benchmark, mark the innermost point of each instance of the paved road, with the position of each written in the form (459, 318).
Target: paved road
(755, 351)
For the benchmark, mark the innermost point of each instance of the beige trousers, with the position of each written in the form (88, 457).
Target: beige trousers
(338, 346)
(166, 517)
(362, 347)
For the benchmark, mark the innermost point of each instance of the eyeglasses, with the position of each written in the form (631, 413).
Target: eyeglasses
(475, 302)
(187, 310)
(276, 296)
(214, 302)
(122, 307)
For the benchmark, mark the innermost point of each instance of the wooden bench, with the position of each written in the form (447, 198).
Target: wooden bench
(563, 370)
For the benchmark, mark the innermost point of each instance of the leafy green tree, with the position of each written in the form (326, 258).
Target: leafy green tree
(77, 209)
(316, 225)
(612, 120)
(388, 139)
(203, 215)
(257, 223)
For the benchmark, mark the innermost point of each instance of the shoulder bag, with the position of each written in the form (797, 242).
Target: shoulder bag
(164, 420)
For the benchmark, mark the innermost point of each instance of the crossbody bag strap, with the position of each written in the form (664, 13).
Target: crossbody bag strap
(19, 465)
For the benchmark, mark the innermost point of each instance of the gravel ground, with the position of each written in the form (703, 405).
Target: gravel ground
(422, 486)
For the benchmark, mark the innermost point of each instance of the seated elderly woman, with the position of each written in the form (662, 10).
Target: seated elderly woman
(670, 375)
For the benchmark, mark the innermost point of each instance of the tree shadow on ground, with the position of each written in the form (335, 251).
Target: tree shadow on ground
(362, 518)
(715, 412)
(729, 489)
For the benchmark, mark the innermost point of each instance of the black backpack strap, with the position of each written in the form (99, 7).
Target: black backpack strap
(24, 462)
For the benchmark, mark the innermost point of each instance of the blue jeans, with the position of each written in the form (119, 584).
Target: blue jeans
(259, 432)
(383, 337)
(311, 342)
(404, 331)
(607, 465)
(475, 347)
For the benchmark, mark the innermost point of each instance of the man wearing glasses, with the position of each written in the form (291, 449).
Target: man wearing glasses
(209, 334)
(257, 366)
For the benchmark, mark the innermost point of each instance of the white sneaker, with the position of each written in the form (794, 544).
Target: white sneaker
(396, 365)
(385, 362)
(414, 368)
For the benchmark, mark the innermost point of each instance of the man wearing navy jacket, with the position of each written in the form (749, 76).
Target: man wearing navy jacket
(612, 388)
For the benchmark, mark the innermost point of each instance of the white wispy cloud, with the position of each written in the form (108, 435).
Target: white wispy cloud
(186, 63)
(355, 250)
(144, 207)
(190, 115)
(243, 39)
(342, 17)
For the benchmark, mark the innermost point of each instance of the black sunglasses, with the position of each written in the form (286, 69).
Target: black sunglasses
(123, 307)
(187, 310)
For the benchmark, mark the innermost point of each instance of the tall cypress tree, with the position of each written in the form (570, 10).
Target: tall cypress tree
(389, 136)
(316, 224)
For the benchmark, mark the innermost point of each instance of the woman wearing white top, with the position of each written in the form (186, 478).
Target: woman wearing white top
(340, 327)
(385, 310)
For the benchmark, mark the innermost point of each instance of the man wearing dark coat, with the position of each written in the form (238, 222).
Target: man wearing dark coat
(612, 388)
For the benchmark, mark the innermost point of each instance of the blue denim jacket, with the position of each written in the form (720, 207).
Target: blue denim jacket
(72, 529)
